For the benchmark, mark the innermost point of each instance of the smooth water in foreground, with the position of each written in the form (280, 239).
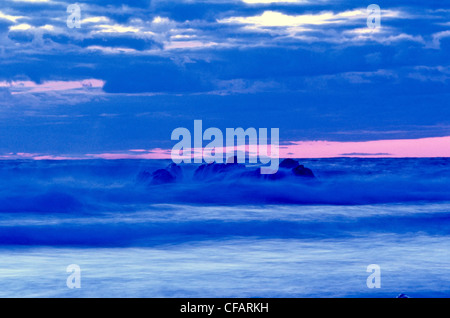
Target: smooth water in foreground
(287, 239)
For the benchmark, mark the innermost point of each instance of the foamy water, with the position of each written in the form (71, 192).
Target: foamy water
(228, 238)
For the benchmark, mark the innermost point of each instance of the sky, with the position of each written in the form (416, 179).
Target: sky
(117, 86)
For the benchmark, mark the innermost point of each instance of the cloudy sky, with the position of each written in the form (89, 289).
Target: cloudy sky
(135, 70)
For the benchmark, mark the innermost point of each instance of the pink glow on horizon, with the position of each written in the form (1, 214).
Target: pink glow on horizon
(53, 158)
(420, 148)
(21, 87)
(156, 153)
(398, 148)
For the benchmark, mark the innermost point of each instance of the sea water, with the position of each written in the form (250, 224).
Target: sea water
(226, 237)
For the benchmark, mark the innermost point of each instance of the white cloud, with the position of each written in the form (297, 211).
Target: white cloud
(159, 19)
(48, 27)
(278, 19)
(111, 50)
(437, 37)
(188, 45)
(182, 37)
(346, 27)
(425, 73)
(33, 1)
(20, 27)
(95, 20)
(162, 24)
(117, 28)
(27, 27)
(11, 18)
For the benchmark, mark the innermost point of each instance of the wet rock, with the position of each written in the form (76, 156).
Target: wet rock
(301, 171)
(289, 163)
(175, 170)
(208, 171)
(162, 176)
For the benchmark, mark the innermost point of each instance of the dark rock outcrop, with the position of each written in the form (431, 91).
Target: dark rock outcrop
(175, 170)
(162, 176)
(219, 171)
(296, 168)
(288, 163)
(208, 171)
(301, 171)
(170, 174)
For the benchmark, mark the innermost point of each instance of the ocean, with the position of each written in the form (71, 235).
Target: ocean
(226, 235)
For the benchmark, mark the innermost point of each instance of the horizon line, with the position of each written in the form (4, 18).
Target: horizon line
(430, 147)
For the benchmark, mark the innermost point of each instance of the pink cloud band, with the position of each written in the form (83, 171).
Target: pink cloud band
(22, 87)
(397, 148)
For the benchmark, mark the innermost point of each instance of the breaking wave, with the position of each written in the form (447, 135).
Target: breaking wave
(115, 203)
(89, 186)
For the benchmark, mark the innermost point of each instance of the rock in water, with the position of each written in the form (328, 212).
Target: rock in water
(301, 171)
(217, 170)
(289, 163)
(296, 168)
(162, 176)
(175, 170)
